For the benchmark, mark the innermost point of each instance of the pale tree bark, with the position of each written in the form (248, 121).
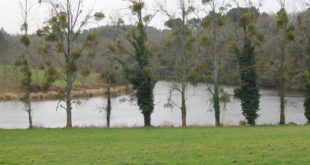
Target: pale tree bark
(282, 83)
(65, 35)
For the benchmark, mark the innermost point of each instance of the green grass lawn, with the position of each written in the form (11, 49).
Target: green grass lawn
(172, 146)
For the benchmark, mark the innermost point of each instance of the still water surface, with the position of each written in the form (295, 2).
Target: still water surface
(91, 113)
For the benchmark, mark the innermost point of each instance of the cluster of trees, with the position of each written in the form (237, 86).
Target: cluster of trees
(231, 46)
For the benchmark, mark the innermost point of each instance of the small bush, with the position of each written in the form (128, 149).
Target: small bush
(242, 123)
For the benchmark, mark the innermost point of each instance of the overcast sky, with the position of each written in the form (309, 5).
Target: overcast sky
(11, 19)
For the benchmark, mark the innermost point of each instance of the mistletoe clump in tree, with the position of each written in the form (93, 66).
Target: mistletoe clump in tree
(140, 75)
(248, 93)
(66, 46)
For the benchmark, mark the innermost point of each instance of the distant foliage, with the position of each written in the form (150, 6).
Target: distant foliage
(50, 77)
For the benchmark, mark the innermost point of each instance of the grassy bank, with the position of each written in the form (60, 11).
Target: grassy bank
(178, 146)
(10, 78)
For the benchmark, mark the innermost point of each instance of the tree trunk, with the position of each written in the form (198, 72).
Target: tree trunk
(216, 97)
(282, 87)
(183, 106)
(68, 101)
(69, 114)
(307, 103)
(147, 119)
(307, 97)
(108, 106)
(69, 74)
(216, 105)
(29, 110)
(282, 104)
(307, 87)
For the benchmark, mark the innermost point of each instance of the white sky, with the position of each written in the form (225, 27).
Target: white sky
(11, 19)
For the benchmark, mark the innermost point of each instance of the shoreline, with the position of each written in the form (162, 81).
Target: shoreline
(76, 93)
(96, 89)
(162, 126)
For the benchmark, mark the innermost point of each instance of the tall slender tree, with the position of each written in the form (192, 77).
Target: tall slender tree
(61, 35)
(23, 63)
(303, 24)
(287, 35)
(114, 49)
(248, 92)
(183, 55)
(140, 75)
(212, 24)
(303, 37)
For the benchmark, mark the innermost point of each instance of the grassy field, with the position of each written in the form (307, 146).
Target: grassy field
(172, 146)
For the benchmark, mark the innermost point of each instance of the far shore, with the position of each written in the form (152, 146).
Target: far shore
(78, 92)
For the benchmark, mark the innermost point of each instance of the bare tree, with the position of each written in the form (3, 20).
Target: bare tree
(62, 34)
(212, 23)
(287, 35)
(23, 62)
(183, 54)
(115, 49)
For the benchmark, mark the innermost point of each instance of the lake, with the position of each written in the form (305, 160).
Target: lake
(90, 112)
